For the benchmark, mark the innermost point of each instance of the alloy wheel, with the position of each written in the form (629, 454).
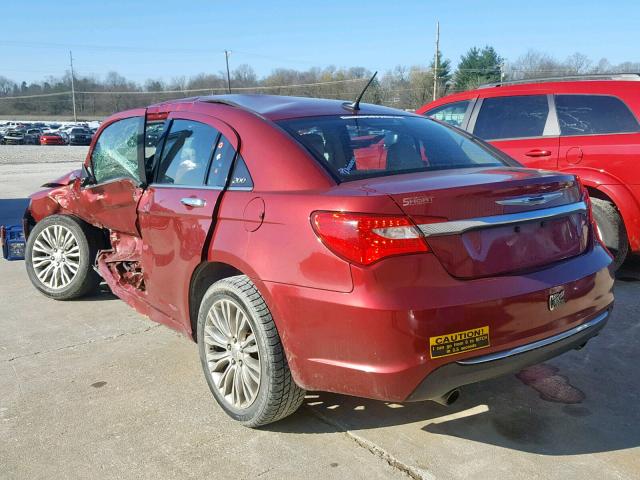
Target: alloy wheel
(232, 353)
(56, 257)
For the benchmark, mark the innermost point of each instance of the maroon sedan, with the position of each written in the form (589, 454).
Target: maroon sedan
(248, 223)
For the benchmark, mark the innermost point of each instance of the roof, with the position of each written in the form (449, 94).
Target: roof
(279, 107)
(568, 78)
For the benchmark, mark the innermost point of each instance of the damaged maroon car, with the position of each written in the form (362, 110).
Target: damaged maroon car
(316, 244)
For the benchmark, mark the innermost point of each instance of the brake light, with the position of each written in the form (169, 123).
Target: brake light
(366, 238)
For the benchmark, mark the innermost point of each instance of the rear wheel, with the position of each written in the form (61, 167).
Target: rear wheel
(611, 230)
(242, 356)
(59, 257)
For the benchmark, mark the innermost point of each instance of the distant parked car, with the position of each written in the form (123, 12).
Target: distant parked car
(52, 139)
(32, 137)
(15, 136)
(79, 136)
(586, 126)
(64, 135)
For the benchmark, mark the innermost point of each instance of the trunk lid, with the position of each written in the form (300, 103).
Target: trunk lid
(489, 221)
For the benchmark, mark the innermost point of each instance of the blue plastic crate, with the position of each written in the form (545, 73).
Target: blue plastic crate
(13, 242)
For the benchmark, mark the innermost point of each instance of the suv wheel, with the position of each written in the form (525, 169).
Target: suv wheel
(59, 257)
(611, 230)
(242, 356)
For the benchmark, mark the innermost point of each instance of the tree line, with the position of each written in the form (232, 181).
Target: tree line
(401, 87)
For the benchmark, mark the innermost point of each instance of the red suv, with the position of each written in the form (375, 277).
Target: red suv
(316, 244)
(586, 127)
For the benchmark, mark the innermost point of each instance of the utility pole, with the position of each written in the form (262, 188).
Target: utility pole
(435, 62)
(73, 88)
(226, 57)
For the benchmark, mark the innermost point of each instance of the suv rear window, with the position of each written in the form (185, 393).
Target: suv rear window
(512, 117)
(594, 114)
(360, 146)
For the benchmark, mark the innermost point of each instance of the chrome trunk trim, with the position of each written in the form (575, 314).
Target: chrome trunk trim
(457, 227)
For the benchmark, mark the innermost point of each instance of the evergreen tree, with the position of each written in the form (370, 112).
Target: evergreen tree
(478, 67)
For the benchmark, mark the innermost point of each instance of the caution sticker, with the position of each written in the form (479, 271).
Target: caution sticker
(459, 342)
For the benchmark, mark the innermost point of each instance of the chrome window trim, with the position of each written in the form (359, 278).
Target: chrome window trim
(552, 125)
(456, 227)
(471, 124)
(198, 187)
(467, 113)
(535, 345)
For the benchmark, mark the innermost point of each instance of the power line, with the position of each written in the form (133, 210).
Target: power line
(193, 90)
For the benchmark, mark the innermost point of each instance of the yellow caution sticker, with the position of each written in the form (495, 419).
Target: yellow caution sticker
(459, 342)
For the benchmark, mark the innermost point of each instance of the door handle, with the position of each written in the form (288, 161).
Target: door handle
(538, 153)
(193, 202)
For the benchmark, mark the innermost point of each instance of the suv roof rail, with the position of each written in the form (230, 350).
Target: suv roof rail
(568, 78)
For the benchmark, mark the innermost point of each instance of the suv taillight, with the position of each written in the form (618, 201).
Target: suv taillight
(592, 222)
(366, 238)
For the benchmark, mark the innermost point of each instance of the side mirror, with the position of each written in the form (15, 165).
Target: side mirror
(86, 177)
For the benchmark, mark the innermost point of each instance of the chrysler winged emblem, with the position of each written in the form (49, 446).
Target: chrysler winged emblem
(530, 200)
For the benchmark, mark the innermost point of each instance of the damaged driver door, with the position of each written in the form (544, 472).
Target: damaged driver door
(115, 179)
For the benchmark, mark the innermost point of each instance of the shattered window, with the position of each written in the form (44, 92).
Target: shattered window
(115, 154)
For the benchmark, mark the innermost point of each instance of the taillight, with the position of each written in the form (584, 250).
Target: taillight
(366, 238)
(587, 200)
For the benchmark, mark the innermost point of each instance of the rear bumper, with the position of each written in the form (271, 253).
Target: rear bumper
(476, 369)
(375, 341)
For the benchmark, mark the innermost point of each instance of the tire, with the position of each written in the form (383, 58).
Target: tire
(611, 229)
(80, 256)
(276, 395)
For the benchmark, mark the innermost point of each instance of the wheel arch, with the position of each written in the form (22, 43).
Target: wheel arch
(603, 186)
(205, 275)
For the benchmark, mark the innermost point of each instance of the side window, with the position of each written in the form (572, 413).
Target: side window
(594, 114)
(221, 163)
(186, 153)
(115, 154)
(453, 113)
(512, 117)
(241, 178)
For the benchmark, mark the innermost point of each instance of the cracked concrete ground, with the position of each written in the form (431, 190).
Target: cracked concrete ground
(91, 389)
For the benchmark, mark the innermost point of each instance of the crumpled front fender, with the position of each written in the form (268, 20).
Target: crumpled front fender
(66, 179)
(59, 196)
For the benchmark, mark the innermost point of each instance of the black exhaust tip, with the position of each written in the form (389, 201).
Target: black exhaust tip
(448, 398)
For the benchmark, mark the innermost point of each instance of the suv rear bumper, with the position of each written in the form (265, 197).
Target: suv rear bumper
(476, 369)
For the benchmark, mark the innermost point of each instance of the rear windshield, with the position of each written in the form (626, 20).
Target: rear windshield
(354, 147)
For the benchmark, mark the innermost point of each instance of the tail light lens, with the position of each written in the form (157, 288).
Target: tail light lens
(365, 239)
(587, 200)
